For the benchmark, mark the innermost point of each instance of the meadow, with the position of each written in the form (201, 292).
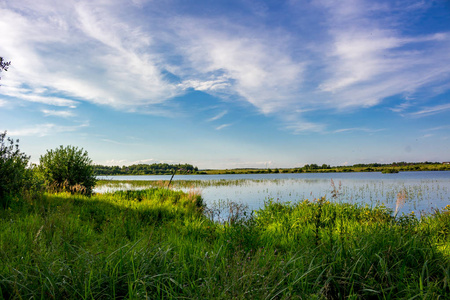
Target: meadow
(159, 243)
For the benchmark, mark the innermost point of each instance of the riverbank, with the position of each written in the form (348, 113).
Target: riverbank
(160, 244)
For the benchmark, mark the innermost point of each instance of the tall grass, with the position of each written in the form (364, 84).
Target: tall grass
(158, 244)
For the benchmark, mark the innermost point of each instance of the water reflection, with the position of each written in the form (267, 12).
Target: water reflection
(408, 191)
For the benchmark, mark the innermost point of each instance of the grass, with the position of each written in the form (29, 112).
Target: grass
(159, 244)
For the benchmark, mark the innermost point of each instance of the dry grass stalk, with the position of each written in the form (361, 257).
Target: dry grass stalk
(401, 199)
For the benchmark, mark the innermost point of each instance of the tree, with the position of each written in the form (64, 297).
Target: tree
(14, 175)
(4, 64)
(67, 169)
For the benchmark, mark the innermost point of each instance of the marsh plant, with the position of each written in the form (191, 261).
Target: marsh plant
(227, 211)
(401, 200)
(158, 244)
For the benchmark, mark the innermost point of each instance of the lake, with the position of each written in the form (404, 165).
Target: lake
(421, 192)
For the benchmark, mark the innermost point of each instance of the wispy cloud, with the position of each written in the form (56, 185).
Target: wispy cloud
(219, 84)
(36, 95)
(120, 143)
(58, 113)
(145, 161)
(431, 110)
(401, 107)
(255, 64)
(370, 60)
(153, 161)
(438, 128)
(112, 142)
(368, 130)
(103, 61)
(114, 162)
(138, 55)
(223, 126)
(41, 130)
(218, 116)
(297, 125)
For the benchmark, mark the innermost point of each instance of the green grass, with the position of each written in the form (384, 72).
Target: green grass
(158, 244)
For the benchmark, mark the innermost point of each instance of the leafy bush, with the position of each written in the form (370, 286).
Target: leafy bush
(67, 169)
(14, 175)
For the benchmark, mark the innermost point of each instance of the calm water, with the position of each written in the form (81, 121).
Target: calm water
(423, 191)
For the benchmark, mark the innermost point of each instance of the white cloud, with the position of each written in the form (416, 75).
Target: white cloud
(401, 107)
(41, 130)
(370, 60)
(256, 64)
(431, 110)
(304, 126)
(36, 95)
(90, 55)
(368, 130)
(121, 143)
(112, 141)
(298, 125)
(218, 116)
(207, 86)
(149, 161)
(114, 162)
(220, 127)
(137, 55)
(58, 113)
(145, 161)
(438, 128)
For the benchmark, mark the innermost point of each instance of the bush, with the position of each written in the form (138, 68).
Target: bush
(67, 169)
(14, 175)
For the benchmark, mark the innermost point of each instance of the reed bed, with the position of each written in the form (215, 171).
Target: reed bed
(421, 196)
(159, 243)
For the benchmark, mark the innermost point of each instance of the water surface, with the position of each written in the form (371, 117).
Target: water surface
(421, 192)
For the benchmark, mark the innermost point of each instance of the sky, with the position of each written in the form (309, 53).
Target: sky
(228, 83)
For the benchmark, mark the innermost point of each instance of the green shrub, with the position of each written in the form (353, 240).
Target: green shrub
(67, 169)
(14, 175)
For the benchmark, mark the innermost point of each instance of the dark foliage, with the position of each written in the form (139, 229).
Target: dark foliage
(67, 169)
(14, 175)
(144, 169)
(4, 64)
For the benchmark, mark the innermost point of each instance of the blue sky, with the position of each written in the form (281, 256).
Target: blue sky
(228, 84)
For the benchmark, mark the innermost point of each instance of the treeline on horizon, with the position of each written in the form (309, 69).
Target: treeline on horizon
(146, 169)
(167, 169)
(324, 168)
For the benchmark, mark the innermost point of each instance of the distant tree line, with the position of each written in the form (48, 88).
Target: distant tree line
(145, 169)
(324, 168)
(395, 164)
